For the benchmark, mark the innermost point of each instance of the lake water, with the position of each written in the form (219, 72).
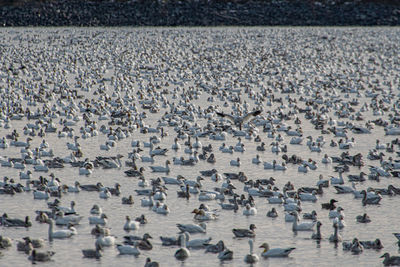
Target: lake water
(296, 58)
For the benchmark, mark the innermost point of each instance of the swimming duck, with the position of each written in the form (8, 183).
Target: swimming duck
(93, 253)
(249, 211)
(128, 249)
(192, 228)
(251, 257)
(102, 219)
(182, 253)
(150, 263)
(390, 260)
(272, 213)
(317, 235)
(245, 232)
(65, 233)
(335, 237)
(376, 244)
(128, 200)
(275, 252)
(330, 205)
(305, 226)
(40, 256)
(363, 218)
(131, 225)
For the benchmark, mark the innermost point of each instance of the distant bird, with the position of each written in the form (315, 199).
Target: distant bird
(239, 120)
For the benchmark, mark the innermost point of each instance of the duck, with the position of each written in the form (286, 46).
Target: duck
(182, 253)
(196, 243)
(336, 213)
(165, 169)
(25, 246)
(245, 232)
(317, 235)
(249, 210)
(65, 233)
(305, 226)
(41, 256)
(272, 213)
(106, 241)
(220, 246)
(251, 257)
(128, 200)
(335, 237)
(98, 230)
(310, 216)
(235, 162)
(202, 215)
(105, 193)
(5, 242)
(363, 218)
(96, 210)
(275, 252)
(5, 221)
(128, 249)
(373, 199)
(131, 225)
(226, 254)
(102, 219)
(376, 244)
(330, 205)
(150, 263)
(192, 228)
(390, 260)
(93, 253)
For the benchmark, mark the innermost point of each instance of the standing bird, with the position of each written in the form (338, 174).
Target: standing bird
(239, 120)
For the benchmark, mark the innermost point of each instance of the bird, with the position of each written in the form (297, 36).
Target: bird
(128, 249)
(239, 120)
(275, 252)
(192, 228)
(131, 225)
(182, 253)
(150, 263)
(390, 260)
(251, 257)
(93, 253)
(317, 235)
(245, 232)
(41, 256)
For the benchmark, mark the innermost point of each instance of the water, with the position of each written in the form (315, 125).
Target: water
(298, 53)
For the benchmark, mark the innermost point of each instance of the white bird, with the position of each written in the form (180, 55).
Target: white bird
(251, 257)
(106, 241)
(305, 226)
(102, 219)
(131, 225)
(182, 253)
(165, 169)
(196, 243)
(128, 249)
(192, 228)
(275, 252)
(66, 233)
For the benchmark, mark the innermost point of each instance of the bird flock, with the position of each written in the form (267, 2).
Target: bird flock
(200, 145)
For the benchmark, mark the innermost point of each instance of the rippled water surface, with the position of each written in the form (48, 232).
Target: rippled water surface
(124, 61)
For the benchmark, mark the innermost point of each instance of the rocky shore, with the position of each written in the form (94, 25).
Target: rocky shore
(199, 13)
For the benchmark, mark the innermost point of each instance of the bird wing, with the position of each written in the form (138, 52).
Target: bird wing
(228, 116)
(251, 114)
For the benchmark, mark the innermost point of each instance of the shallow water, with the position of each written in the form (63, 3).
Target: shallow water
(117, 52)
